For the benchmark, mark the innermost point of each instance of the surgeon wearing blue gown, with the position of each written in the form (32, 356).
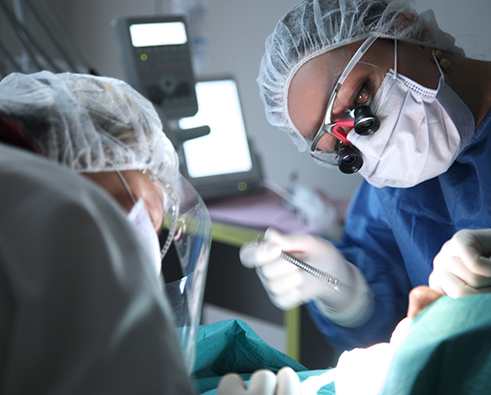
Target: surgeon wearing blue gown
(81, 303)
(422, 215)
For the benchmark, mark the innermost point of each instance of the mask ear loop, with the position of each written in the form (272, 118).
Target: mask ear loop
(435, 58)
(127, 187)
(395, 58)
(174, 211)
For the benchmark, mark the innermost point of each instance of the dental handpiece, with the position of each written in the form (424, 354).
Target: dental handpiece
(320, 275)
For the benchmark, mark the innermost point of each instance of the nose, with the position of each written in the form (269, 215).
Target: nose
(342, 128)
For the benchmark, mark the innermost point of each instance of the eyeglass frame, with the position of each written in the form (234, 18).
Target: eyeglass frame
(174, 208)
(328, 125)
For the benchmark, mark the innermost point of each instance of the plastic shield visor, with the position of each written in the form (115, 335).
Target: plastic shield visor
(189, 228)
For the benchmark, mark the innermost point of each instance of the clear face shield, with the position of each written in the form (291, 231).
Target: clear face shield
(187, 226)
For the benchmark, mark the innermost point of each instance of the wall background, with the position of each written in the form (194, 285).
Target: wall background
(236, 31)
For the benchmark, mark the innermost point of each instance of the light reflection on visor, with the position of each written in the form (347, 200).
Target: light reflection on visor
(189, 230)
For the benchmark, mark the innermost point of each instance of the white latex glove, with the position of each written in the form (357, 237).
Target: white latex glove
(262, 382)
(289, 286)
(463, 265)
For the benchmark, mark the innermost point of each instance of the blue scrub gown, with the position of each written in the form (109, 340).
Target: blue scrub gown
(393, 234)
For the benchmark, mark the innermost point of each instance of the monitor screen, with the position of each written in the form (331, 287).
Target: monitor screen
(156, 34)
(225, 150)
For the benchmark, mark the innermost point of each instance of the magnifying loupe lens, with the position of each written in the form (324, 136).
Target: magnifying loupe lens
(350, 159)
(365, 122)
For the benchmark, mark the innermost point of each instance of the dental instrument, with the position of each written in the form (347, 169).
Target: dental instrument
(333, 282)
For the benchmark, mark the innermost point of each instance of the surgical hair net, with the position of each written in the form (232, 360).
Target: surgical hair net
(88, 123)
(314, 27)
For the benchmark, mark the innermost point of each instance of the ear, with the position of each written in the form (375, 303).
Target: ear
(406, 19)
(409, 20)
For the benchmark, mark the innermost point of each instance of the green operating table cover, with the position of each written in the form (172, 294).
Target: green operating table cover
(447, 350)
(232, 346)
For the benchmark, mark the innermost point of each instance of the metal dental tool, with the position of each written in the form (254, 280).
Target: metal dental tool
(333, 282)
(320, 275)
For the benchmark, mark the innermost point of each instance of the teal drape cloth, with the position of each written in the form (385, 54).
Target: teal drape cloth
(447, 350)
(232, 346)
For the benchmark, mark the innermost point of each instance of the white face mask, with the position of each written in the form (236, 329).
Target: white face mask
(421, 132)
(140, 218)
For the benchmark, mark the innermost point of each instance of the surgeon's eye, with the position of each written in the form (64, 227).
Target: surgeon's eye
(363, 97)
(360, 97)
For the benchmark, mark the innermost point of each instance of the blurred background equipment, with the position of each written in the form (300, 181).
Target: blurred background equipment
(32, 39)
(156, 58)
(202, 119)
(222, 163)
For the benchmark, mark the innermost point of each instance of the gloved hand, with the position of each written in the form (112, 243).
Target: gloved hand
(289, 286)
(463, 265)
(262, 382)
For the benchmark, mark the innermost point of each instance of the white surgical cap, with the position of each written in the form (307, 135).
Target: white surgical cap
(88, 123)
(314, 27)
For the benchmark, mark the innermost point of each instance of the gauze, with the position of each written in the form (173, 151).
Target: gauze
(140, 218)
(422, 131)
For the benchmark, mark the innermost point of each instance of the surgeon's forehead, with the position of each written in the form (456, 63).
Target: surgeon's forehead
(311, 88)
